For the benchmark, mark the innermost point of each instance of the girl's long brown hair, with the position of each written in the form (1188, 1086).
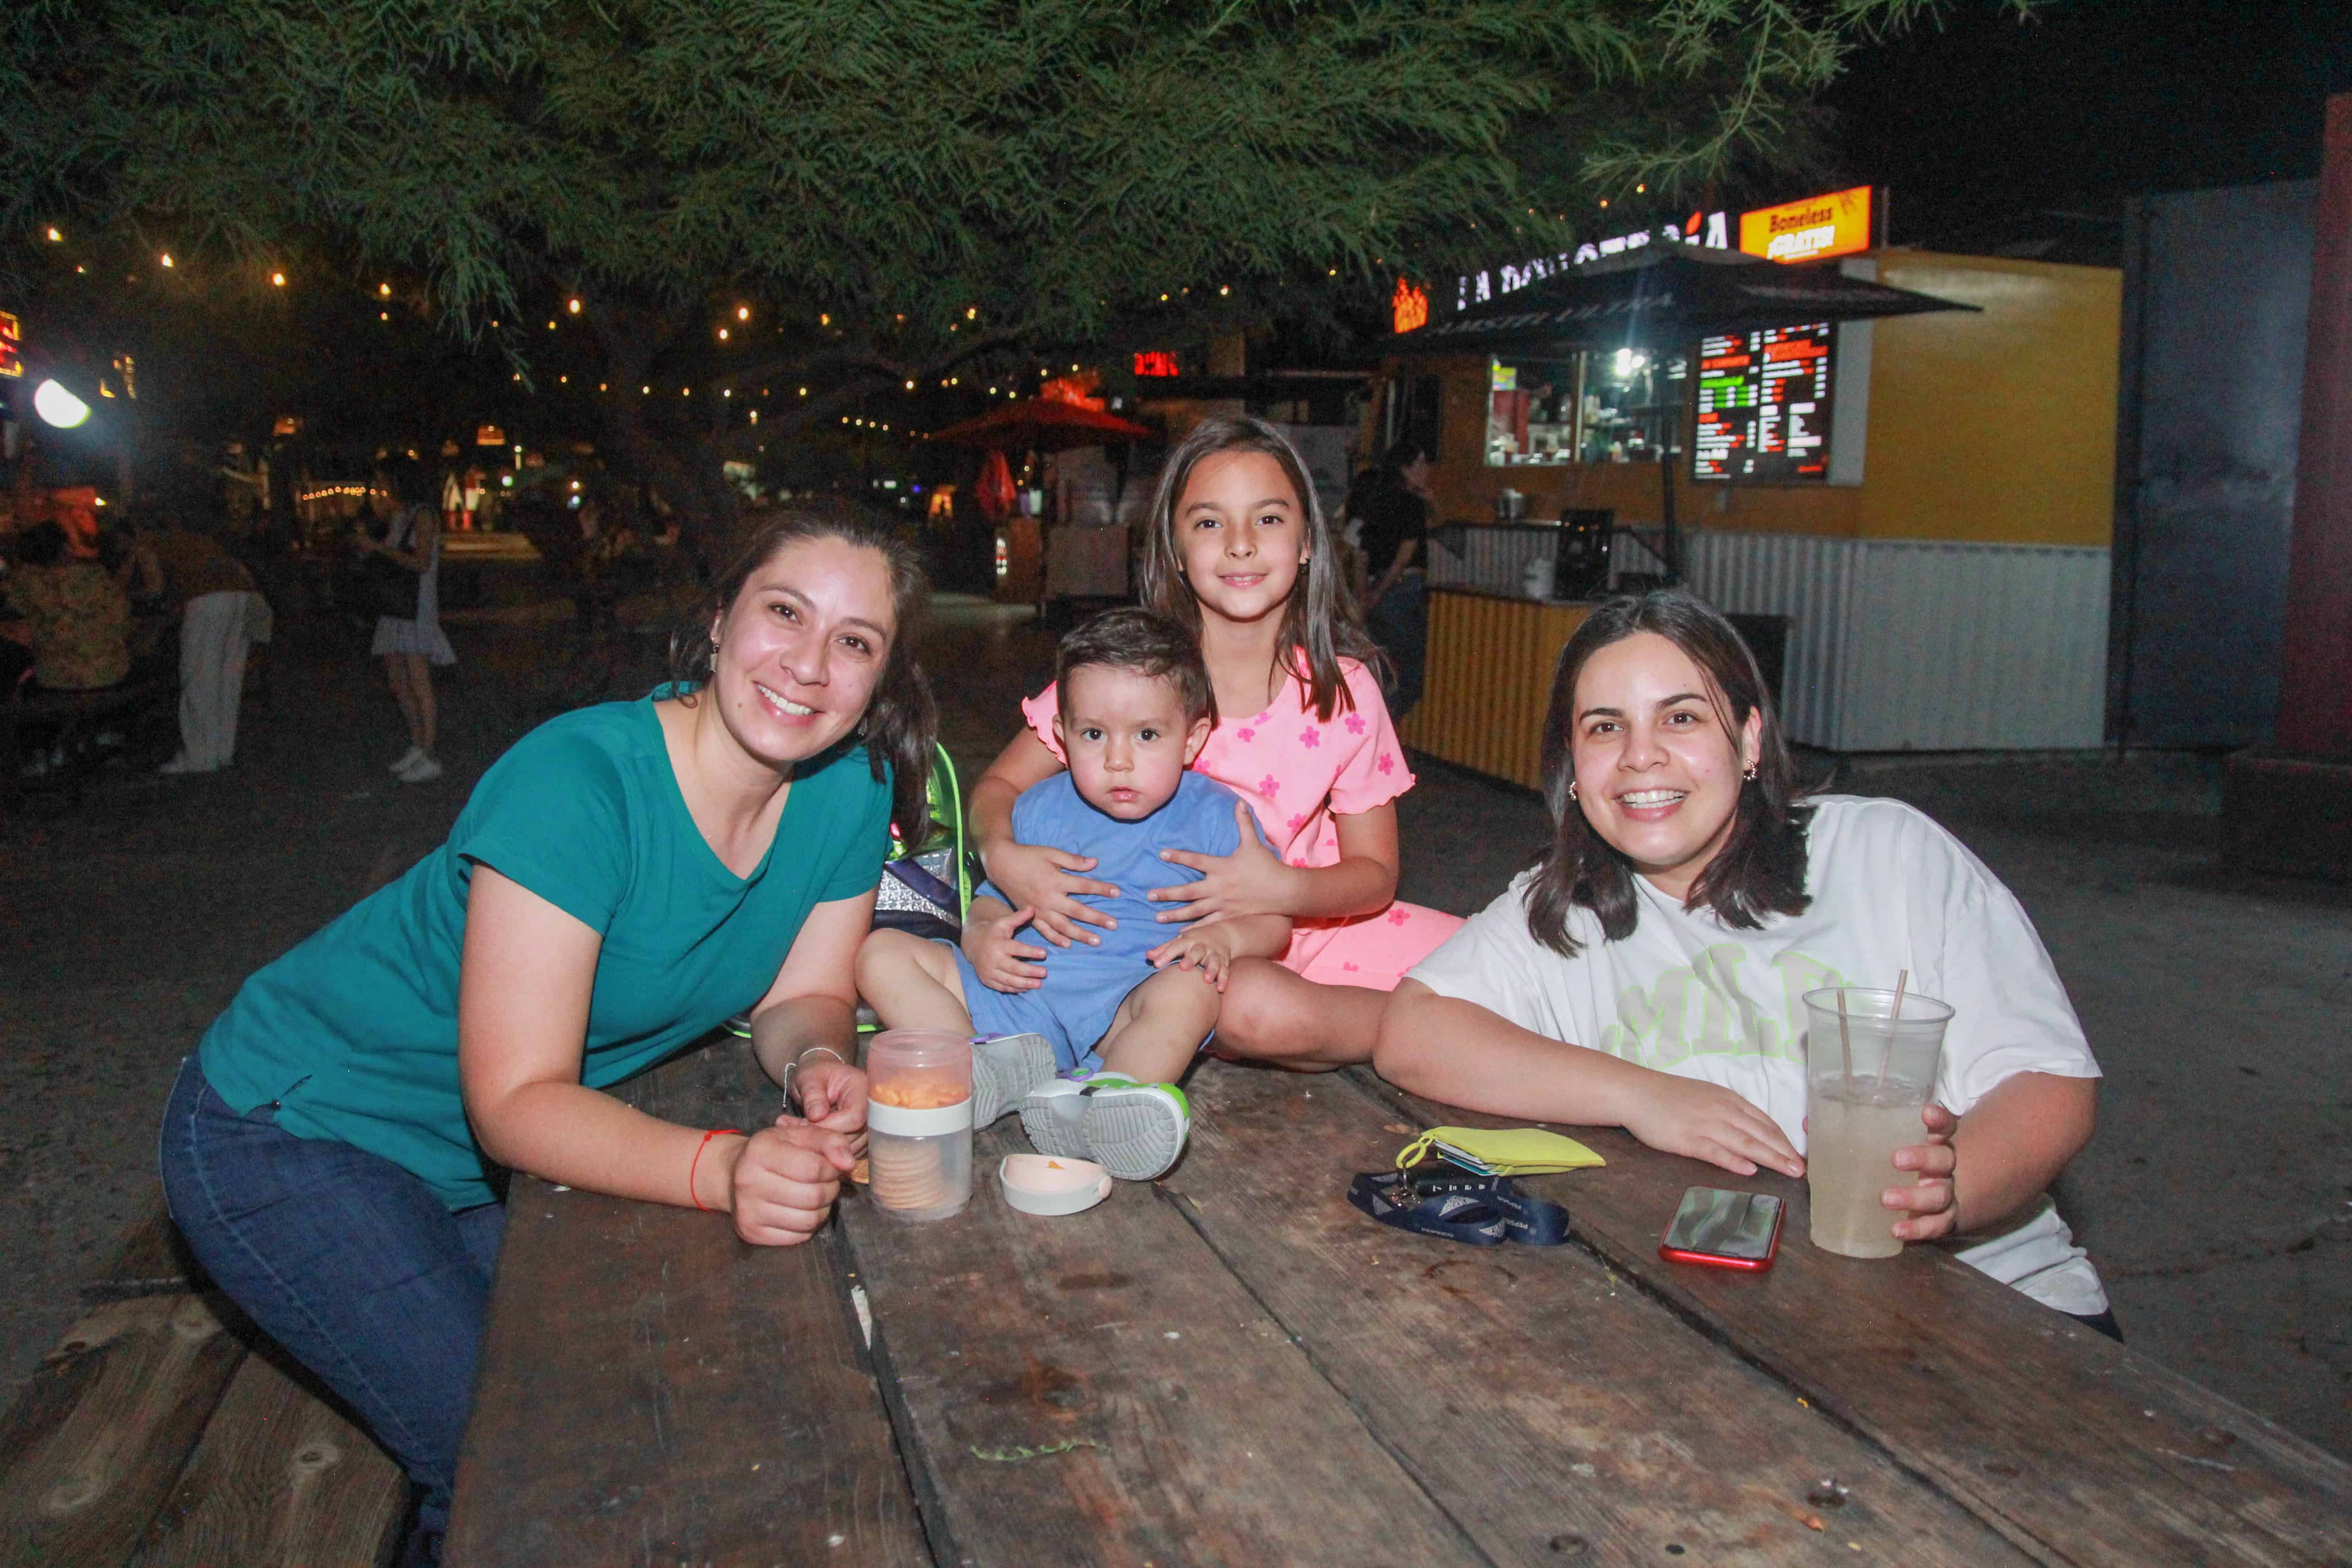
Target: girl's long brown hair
(1759, 870)
(901, 724)
(1319, 620)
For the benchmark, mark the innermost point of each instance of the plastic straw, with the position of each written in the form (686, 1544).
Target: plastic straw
(1845, 1042)
(1902, 983)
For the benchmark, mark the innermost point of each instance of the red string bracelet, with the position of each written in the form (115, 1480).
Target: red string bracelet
(696, 1164)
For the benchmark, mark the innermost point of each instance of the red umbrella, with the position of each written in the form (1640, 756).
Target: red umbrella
(1043, 424)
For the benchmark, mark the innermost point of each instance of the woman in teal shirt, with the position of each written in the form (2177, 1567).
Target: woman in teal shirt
(621, 881)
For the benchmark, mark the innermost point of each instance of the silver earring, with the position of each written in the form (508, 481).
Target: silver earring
(1571, 789)
(1750, 774)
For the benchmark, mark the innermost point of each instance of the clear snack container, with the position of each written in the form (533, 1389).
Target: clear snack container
(918, 1121)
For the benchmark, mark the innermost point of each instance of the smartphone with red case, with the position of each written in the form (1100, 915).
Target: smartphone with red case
(1724, 1229)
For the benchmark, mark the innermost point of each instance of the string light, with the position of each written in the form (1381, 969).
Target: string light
(825, 321)
(743, 312)
(910, 387)
(970, 312)
(573, 306)
(722, 334)
(54, 236)
(551, 326)
(384, 315)
(167, 258)
(383, 291)
(277, 280)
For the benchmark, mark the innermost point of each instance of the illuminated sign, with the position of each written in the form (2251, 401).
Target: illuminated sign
(1155, 361)
(1764, 401)
(1818, 227)
(489, 435)
(1410, 306)
(1709, 231)
(12, 343)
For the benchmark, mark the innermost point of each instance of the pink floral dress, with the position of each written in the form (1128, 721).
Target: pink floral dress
(1299, 773)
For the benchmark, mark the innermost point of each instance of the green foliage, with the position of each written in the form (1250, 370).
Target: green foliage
(902, 190)
(1055, 163)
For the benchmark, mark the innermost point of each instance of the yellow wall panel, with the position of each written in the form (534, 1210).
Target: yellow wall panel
(1999, 428)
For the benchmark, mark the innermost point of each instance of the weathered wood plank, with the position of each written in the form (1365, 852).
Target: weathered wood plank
(1098, 1390)
(94, 1447)
(2078, 1449)
(280, 1479)
(654, 1391)
(150, 1260)
(1542, 1397)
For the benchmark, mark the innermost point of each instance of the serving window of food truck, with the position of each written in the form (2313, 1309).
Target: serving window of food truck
(1617, 406)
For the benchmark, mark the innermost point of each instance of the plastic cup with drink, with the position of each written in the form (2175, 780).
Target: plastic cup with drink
(1871, 1058)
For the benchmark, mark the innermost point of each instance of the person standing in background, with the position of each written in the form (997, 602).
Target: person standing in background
(1395, 509)
(411, 645)
(222, 615)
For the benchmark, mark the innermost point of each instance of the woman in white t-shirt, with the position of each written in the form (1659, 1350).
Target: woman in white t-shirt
(1649, 971)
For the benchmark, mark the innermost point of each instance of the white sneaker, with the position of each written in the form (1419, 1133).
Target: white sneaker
(408, 759)
(423, 771)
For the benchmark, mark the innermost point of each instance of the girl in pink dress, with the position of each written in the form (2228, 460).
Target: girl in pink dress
(1240, 552)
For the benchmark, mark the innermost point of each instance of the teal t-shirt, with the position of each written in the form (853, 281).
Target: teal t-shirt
(355, 1032)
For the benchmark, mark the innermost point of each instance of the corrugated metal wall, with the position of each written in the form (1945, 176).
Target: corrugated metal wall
(1924, 645)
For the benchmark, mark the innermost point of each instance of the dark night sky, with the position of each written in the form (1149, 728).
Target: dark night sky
(1986, 118)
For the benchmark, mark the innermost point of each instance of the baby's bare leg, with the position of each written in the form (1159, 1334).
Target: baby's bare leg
(912, 982)
(1159, 1027)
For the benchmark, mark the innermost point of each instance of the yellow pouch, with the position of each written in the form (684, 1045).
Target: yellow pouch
(1501, 1151)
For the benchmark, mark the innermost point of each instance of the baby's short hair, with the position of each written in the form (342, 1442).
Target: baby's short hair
(1150, 645)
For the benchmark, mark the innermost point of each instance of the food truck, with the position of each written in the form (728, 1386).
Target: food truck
(1911, 515)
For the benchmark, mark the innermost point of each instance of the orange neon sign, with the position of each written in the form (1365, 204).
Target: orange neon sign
(11, 345)
(1410, 306)
(1809, 230)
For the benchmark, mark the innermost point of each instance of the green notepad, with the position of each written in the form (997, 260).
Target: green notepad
(1501, 1150)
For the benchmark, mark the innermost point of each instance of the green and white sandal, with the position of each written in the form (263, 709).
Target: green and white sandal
(1134, 1131)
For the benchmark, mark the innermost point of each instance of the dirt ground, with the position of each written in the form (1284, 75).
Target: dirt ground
(2217, 1198)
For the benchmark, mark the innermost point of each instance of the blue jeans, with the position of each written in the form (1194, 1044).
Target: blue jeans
(1399, 622)
(349, 1262)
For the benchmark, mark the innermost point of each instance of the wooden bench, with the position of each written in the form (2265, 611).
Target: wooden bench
(165, 1430)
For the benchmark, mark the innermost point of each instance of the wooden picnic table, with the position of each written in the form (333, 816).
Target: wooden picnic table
(1233, 1366)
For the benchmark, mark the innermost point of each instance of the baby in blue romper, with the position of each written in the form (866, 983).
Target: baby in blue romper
(1089, 1036)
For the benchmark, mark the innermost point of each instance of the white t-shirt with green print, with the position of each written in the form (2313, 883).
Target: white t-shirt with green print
(1686, 994)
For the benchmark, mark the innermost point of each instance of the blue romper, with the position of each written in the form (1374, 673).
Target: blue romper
(1084, 985)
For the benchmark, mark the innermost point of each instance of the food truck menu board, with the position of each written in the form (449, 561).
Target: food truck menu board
(1764, 406)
